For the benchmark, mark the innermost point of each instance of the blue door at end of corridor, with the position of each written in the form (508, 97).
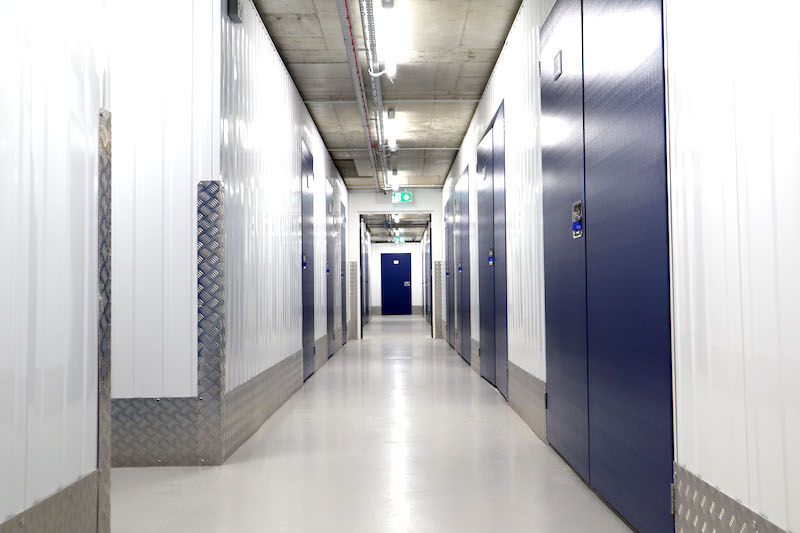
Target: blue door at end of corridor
(307, 207)
(396, 284)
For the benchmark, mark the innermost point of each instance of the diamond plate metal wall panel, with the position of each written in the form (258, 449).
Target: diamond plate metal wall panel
(248, 406)
(701, 508)
(210, 320)
(438, 284)
(526, 397)
(185, 431)
(70, 510)
(475, 356)
(104, 324)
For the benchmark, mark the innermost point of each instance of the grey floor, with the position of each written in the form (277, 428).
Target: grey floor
(394, 434)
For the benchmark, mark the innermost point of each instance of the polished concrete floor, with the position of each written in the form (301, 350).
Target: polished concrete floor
(394, 434)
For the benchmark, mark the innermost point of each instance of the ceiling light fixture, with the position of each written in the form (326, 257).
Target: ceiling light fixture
(390, 126)
(391, 32)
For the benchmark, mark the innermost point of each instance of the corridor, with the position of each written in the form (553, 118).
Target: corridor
(394, 433)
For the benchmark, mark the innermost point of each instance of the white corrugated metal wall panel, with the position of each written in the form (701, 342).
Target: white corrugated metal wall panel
(734, 171)
(50, 95)
(515, 82)
(264, 122)
(161, 101)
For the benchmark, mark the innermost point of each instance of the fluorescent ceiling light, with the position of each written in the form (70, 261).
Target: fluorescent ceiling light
(392, 34)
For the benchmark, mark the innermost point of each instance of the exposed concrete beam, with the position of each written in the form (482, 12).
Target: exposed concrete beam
(400, 101)
(400, 149)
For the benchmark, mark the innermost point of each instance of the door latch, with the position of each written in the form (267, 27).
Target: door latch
(577, 220)
(305, 264)
(491, 256)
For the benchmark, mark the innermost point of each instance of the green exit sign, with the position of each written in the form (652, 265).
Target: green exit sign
(401, 197)
(399, 239)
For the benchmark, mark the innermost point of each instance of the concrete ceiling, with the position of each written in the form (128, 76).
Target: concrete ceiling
(454, 46)
(409, 225)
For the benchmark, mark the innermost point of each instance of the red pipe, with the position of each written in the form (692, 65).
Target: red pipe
(360, 86)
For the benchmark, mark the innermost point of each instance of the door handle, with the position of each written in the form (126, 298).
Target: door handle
(577, 220)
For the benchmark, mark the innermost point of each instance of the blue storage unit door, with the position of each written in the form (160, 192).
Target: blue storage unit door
(448, 272)
(485, 185)
(330, 270)
(564, 242)
(307, 214)
(492, 250)
(500, 265)
(628, 296)
(343, 271)
(396, 284)
(462, 265)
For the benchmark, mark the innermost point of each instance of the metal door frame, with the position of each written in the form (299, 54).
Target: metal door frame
(464, 299)
(307, 259)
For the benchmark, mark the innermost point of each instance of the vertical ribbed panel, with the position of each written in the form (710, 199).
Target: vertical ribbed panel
(161, 98)
(50, 96)
(734, 128)
(264, 121)
(515, 81)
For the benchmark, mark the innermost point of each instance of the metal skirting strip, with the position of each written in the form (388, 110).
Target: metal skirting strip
(351, 331)
(475, 355)
(701, 508)
(103, 501)
(339, 341)
(416, 310)
(320, 352)
(248, 406)
(526, 395)
(438, 300)
(73, 509)
(375, 310)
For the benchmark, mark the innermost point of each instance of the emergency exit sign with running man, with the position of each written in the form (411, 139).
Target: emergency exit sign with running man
(402, 197)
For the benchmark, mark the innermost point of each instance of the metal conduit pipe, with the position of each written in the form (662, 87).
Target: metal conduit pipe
(358, 83)
(368, 28)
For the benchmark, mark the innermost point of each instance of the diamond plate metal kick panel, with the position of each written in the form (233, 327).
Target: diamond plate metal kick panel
(248, 406)
(104, 324)
(355, 309)
(72, 510)
(701, 508)
(437, 304)
(526, 397)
